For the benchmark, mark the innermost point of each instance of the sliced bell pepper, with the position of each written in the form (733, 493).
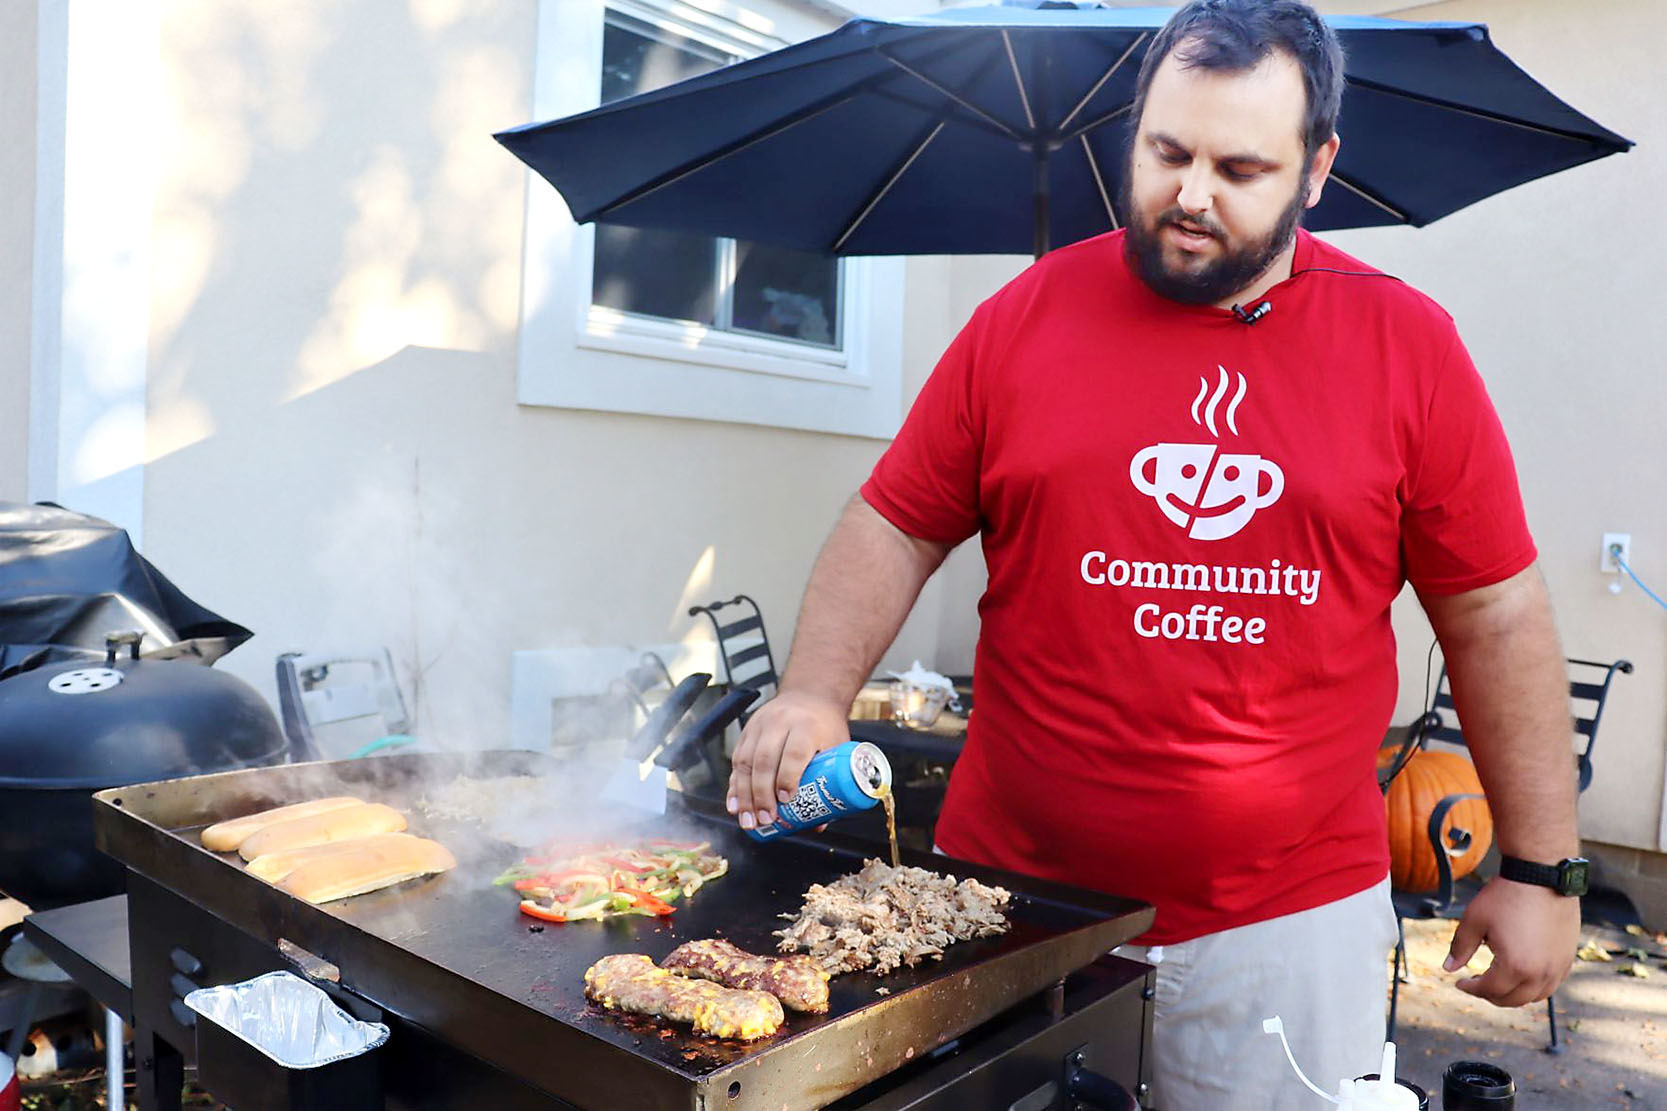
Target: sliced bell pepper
(510, 875)
(573, 878)
(592, 909)
(649, 902)
(533, 910)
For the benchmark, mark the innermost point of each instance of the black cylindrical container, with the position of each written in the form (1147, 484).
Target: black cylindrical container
(1477, 1086)
(1423, 1096)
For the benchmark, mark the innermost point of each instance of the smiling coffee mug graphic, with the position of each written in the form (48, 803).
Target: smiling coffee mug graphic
(1210, 493)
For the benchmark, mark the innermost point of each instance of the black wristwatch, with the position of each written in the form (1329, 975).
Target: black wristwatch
(1566, 877)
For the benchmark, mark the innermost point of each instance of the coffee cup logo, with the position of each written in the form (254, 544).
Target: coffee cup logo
(1210, 493)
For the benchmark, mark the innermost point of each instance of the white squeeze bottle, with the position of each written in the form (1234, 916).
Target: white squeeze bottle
(1381, 1094)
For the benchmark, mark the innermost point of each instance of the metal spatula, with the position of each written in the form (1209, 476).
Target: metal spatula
(637, 781)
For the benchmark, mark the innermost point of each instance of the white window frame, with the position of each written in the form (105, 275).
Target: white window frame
(574, 354)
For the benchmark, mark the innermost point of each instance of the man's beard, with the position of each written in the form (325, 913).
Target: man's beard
(1218, 280)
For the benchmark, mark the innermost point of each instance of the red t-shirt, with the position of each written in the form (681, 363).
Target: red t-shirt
(1194, 529)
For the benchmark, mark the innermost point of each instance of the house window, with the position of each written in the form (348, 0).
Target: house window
(673, 324)
(728, 285)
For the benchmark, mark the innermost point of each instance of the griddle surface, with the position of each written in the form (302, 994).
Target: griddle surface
(460, 923)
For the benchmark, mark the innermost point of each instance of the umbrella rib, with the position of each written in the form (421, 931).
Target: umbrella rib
(1097, 121)
(1099, 181)
(902, 168)
(876, 86)
(1104, 77)
(1483, 113)
(680, 172)
(1366, 195)
(950, 93)
(1018, 79)
(929, 109)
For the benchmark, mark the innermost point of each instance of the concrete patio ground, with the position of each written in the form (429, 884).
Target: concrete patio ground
(1613, 1026)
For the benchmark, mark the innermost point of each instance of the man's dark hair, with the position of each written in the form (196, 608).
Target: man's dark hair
(1235, 35)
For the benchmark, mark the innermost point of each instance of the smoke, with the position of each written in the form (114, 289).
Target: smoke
(489, 809)
(412, 558)
(407, 562)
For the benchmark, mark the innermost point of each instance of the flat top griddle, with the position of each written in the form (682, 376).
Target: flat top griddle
(449, 949)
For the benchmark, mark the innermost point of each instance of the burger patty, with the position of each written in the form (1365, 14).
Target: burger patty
(799, 982)
(631, 982)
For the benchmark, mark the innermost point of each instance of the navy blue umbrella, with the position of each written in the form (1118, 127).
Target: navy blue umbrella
(1000, 130)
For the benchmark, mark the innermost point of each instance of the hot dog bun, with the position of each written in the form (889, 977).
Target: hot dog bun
(343, 824)
(372, 863)
(227, 836)
(273, 867)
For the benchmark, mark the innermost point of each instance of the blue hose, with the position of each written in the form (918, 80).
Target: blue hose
(392, 740)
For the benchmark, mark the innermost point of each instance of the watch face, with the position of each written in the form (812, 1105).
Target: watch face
(1571, 879)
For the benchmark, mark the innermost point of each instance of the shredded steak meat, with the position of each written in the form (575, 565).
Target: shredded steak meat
(883, 917)
(631, 982)
(799, 982)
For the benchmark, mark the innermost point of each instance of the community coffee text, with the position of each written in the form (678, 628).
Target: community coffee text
(1201, 621)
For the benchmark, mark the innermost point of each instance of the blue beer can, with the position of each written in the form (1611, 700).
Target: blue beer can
(845, 780)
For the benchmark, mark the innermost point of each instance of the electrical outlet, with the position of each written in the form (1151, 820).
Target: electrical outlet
(1611, 540)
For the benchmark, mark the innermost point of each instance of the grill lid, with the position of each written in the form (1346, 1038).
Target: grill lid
(98, 722)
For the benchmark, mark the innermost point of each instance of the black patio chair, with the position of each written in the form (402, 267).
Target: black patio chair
(1588, 692)
(743, 645)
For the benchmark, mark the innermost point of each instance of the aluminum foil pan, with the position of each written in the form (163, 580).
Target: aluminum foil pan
(287, 1019)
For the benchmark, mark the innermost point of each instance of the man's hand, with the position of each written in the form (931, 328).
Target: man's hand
(1533, 932)
(861, 588)
(1511, 689)
(777, 743)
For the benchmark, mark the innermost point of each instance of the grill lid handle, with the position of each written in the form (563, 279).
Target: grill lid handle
(113, 643)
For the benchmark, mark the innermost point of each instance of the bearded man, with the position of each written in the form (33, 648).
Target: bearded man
(1203, 455)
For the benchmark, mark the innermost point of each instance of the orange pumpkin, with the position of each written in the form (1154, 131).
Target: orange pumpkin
(1428, 778)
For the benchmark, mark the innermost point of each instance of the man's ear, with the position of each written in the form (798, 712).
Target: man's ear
(1320, 168)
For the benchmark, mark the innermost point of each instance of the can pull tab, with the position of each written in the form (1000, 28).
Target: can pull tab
(113, 643)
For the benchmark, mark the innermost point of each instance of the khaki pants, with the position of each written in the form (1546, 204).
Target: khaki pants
(1324, 971)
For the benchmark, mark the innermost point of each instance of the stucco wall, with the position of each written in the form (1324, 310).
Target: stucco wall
(336, 453)
(17, 232)
(1555, 289)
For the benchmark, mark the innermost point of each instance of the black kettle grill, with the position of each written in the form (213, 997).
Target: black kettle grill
(81, 711)
(71, 728)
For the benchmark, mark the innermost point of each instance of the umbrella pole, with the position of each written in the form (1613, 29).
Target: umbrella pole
(1039, 202)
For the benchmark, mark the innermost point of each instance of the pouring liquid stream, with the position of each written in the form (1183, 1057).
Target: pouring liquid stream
(889, 801)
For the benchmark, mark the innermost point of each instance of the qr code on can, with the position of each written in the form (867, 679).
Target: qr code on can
(808, 805)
